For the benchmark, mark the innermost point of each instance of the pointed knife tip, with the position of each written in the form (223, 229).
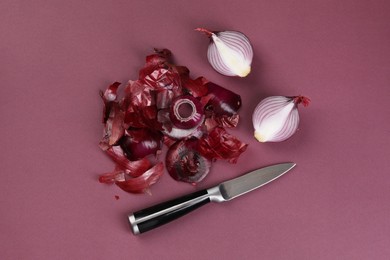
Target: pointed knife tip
(291, 165)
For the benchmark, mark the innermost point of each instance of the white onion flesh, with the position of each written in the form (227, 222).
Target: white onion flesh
(276, 118)
(230, 53)
(179, 133)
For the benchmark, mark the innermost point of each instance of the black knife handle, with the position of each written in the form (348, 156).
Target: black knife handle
(160, 214)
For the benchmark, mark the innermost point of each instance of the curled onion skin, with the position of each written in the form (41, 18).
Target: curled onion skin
(221, 100)
(114, 125)
(133, 177)
(219, 144)
(185, 163)
(134, 168)
(196, 87)
(141, 184)
(276, 118)
(109, 97)
(230, 52)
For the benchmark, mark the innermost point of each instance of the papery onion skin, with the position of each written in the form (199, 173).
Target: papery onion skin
(142, 117)
(185, 163)
(137, 94)
(135, 168)
(118, 174)
(221, 107)
(230, 52)
(113, 128)
(139, 143)
(158, 73)
(109, 96)
(142, 183)
(276, 118)
(222, 121)
(221, 100)
(164, 98)
(196, 87)
(134, 181)
(219, 144)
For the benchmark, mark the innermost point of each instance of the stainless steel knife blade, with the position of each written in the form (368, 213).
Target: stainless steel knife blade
(238, 186)
(155, 216)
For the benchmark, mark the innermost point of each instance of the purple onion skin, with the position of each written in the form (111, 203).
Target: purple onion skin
(139, 143)
(185, 163)
(223, 101)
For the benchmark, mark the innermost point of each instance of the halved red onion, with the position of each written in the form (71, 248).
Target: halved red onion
(139, 143)
(230, 52)
(186, 112)
(185, 163)
(276, 118)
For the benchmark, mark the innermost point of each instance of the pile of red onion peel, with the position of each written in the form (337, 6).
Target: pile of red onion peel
(165, 106)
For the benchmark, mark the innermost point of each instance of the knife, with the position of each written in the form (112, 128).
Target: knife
(155, 216)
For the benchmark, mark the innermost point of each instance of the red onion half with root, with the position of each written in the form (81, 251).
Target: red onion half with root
(276, 118)
(229, 52)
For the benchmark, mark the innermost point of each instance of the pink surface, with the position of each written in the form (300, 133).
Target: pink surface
(55, 56)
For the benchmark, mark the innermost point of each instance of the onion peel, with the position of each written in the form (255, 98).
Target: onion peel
(166, 106)
(135, 168)
(142, 183)
(219, 144)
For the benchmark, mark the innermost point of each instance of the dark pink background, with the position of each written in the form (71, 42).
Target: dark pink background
(55, 56)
